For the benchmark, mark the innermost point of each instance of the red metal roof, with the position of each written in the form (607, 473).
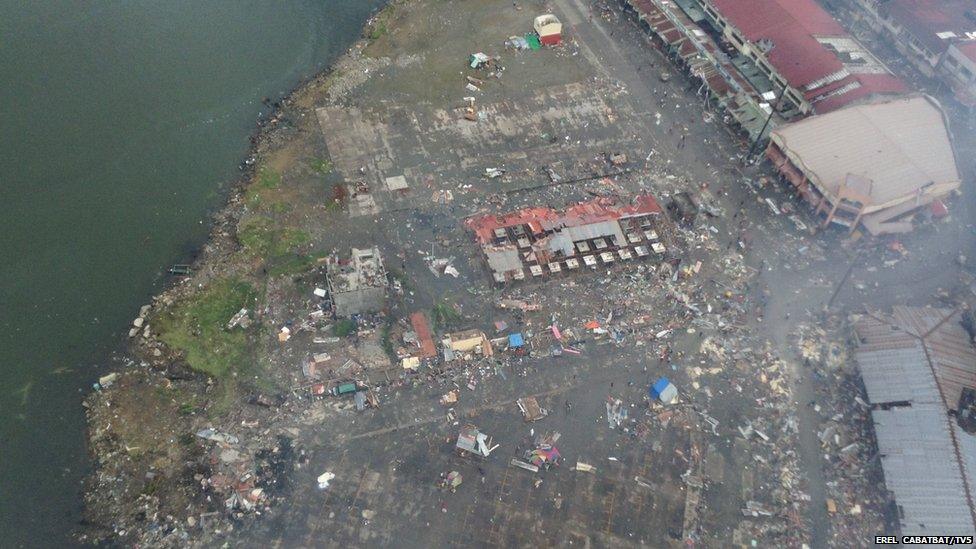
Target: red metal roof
(484, 226)
(420, 326)
(871, 84)
(926, 18)
(967, 48)
(644, 7)
(604, 209)
(540, 218)
(791, 26)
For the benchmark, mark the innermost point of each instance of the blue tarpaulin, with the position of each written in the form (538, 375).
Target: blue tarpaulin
(663, 390)
(515, 340)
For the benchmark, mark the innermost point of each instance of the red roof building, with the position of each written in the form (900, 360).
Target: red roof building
(420, 326)
(544, 241)
(805, 54)
(937, 36)
(790, 26)
(933, 24)
(542, 219)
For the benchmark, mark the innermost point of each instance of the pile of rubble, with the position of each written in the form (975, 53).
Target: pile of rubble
(855, 496)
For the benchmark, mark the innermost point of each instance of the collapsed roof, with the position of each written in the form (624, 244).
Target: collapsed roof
(895, 153)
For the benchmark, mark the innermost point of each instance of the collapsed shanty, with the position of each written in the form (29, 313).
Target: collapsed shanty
(919, 370)
(542, 240)
(357, 285)
(473, 441)
(874, 165)
(459, 344)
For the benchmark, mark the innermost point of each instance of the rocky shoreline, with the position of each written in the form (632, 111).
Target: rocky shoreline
(133, 496)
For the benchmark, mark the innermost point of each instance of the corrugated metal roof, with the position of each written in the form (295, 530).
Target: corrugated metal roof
(910, 356)
(914, 352)
(967, 451)
(791, 26)
(919, 321)
(799, 39)
(953, 357)
(503, 259)
(897, 374)
(592, 211)
(901, 145)
(868, 85)
(922, 471)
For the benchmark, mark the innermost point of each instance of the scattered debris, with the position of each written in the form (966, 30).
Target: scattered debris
(530, 409)
(324, 479)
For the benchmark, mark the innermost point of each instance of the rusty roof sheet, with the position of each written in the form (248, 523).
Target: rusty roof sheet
(541, 218)
(953, 359)
(919, 321)
(419, 323)
(914, 351)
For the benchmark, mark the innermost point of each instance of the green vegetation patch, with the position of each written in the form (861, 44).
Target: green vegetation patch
(379, 24)
(444, 315)
(198, 327)
(344, 327)
(296, 264)
(321, 166)
(267, 179)
(259, 190)
(377, 31)
(262, 238)
(386, 339)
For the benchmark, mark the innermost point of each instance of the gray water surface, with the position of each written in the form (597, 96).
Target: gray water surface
(120, 124)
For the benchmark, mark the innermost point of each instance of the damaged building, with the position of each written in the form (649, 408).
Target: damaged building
(919, 371)
(766, 62)
(937, 36)
(466, 343)
(539, 241)
(796, 51)
(679, 30)
(873, 165)
(357, 285)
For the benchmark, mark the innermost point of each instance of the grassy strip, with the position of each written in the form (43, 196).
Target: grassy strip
(257, 192)
(344, 327)
(261, 238)
(198, 327)
(321, 166)
(295, 264)
(379, 24)
(444, 316)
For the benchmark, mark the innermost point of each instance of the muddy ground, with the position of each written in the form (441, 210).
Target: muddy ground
(727, 335)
